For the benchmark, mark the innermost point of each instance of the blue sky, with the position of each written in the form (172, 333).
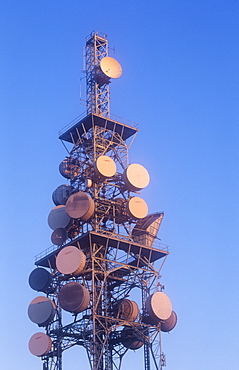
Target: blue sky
(180, 82)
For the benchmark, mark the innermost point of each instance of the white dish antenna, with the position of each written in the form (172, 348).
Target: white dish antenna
(110, 67)
(40, 344)
(70, 261)
(158, 306)
(105, 166)
(136, 177)
(137, 208)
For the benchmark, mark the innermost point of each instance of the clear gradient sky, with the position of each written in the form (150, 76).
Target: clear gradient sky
(180, 82)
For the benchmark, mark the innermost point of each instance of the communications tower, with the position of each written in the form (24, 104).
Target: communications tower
(104, 266)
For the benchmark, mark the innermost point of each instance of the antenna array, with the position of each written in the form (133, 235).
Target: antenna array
(104, 253)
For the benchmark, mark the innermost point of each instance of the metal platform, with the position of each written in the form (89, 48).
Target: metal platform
(73, 133)
(143, 254)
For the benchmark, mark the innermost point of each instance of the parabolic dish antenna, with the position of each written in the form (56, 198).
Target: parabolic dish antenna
(74, 297)
(40, 344)
(40, 279)
(61, 194)
(170, 323)
(158, 306)
(110, 67)
(70, 260)
(136, 208)
(105, 166)
(131, 338)
(128, 310)
(59, 236)
(58, 218)
(41, 310)
(136, 177)
(80, 206)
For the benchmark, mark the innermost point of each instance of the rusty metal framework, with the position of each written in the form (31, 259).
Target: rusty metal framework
(121, 258)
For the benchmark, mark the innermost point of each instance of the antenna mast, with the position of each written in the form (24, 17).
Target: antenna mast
(103, 269)
(97, 88)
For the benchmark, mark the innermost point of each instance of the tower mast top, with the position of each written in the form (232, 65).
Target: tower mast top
(100, 68)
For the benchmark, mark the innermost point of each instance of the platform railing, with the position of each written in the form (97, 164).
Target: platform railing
(112, 117)
(157, 245)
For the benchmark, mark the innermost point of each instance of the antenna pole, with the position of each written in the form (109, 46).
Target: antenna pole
(105, 242)
(97, 92)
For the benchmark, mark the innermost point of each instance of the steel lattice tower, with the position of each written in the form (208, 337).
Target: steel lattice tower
(122, 255)
(97, 93)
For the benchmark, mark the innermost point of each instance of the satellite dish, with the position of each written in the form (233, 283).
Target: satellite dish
(58, 218)
(136, 177)
(59, 236)
(39, 344)
(110, 67)
(145, 230)
(158, 306)
(74, 297)
(40, 279)
(170, 323)
(128, 310)
(69, 168)
(61, 194)
(105, 166)
(65, 168)
(137, 208)
(70, 261)
(80, 206)
(131, 339)
(41, 310)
